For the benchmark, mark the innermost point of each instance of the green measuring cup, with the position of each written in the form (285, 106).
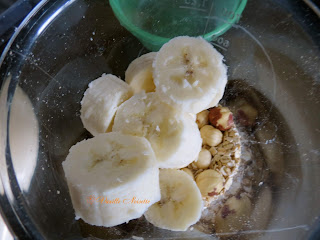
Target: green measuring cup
(155, 22)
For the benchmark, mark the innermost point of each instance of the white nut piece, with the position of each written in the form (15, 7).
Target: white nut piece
(210, 183)
(189, 172)
(202, 118)
(204, 159)
(211, 136)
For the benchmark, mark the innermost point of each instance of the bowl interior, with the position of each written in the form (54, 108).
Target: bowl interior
(272, 63)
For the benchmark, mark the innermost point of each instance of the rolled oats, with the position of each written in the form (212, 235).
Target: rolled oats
(225, 160)
(219, 164)
(223, 172)
(228, 171)
(221, 151)
(213, 151)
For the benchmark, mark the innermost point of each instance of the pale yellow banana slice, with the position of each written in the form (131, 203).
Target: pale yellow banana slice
(189, 73)
(100, 103)
(108, 174)
(139, 74)
(174, 135)
(180, 205)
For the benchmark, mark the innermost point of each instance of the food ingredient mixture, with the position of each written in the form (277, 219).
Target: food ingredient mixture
(162, 146)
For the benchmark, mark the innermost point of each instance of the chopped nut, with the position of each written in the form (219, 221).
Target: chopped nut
(204, 159)
(221, 118)
(210, 183)
(202, 118)
(210, 135)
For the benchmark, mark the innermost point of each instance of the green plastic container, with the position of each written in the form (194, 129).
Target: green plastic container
(155, 22)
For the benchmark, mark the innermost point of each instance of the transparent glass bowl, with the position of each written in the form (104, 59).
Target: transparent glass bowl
(273, 63)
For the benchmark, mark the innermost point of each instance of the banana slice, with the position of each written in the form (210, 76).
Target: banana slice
(189, 73)
(139, 73)
(100, 102)
(180, 205)
(174, 135)
(109, 175)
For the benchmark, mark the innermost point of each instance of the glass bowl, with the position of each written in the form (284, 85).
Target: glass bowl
(273, 63)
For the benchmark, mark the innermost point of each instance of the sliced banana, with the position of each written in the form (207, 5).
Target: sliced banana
(108, 167)
(100, 103)
(174, 135)
(180, 205)
(189, 73)
(139, 73)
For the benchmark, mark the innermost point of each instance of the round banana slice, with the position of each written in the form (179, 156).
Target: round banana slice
(112, 178)
(180, 205)
(189, 73)
(174, 135)
(100, 103)
(139, 73)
